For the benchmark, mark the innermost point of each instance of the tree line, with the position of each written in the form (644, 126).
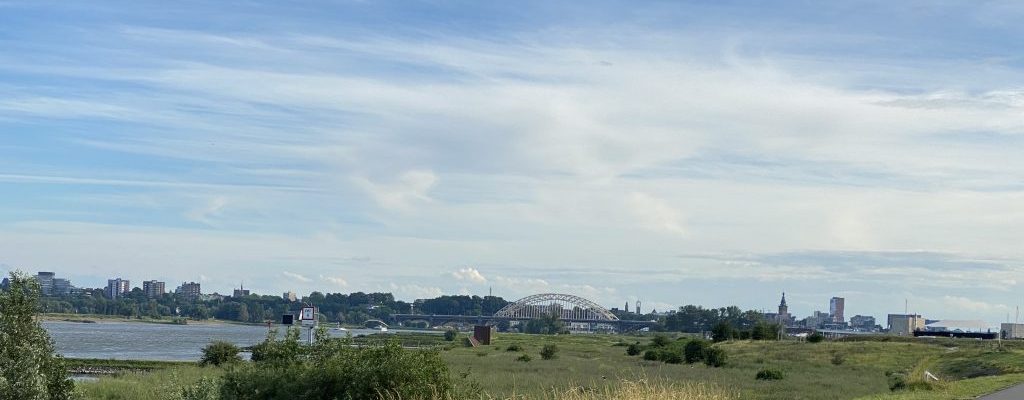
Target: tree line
(358, 307)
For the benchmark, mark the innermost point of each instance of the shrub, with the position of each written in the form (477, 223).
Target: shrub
(838, 359)
(660, 341)
(671, 357)
(815, 338)
(333, 368)
(694, 351)
(524, 358)
(514, 347)
(219, 353)
(652, 355)
(205, 389)
(769, 374)
(633, 349)
(29, 367)
(549, 352)
(450, 335)
(714, 357)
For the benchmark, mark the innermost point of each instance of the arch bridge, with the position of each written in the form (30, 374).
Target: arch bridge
(568, 308)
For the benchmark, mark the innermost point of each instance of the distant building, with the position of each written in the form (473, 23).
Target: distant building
(638, 307)
(153, 289)
(836, 306)
(5, 284)
(862, 322)
(290, 296)
(905, 324)
(240, 292)
(816, 320)
(62, 287)
(45, 280)
(117, 287)
(1011, 331)
(627, 307)
(190, 290)
(783, 317)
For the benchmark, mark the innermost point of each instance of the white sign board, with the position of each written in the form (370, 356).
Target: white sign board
(308, 314)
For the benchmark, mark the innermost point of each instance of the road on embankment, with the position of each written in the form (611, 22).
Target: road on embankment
(1013, 393)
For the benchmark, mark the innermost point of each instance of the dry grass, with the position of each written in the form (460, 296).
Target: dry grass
(624, 390)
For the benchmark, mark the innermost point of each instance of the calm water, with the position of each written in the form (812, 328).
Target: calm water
(142, 341)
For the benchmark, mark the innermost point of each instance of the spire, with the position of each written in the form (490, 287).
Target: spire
(783, 303)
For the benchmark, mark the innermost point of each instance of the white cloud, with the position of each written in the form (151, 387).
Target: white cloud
(336, 281)
(205, 214)
(296, 277)
(975, 306)
(469, 274)
(413, 291)
(411, 187)
(657, 214)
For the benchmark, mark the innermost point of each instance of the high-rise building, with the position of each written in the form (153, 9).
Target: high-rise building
(45, 283)
(118, 287)
(290, 296)
(190, 289)
(62, 287)
(627, 307)
(638, 307)
(836, 307)
(154, 288)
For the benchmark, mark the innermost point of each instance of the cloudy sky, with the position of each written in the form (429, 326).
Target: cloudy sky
(696, 152)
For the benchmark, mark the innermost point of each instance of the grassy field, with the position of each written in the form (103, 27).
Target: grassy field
(594, 364)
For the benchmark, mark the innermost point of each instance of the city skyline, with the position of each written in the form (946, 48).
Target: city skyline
(674, 153)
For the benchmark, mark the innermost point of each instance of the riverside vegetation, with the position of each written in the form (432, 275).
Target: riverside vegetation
(518, 366)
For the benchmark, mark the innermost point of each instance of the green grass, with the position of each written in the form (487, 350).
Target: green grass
(156, 385)
(598, 363)
(955, 390)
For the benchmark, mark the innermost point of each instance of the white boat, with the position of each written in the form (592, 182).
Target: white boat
(383, 328)
(341, 329)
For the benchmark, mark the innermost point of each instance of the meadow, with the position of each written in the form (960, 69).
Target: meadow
(598, 366)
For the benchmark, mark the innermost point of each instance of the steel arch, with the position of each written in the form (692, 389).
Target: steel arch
(565, 306)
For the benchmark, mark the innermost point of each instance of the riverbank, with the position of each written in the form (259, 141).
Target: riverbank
(100, 318)
(98, 366)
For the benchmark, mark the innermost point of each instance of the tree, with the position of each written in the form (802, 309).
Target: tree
(219, 353)
(660, 341)
(450, 335)
(722, 331)
(29, 367)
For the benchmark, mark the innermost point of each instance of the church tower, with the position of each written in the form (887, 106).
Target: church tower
(783, 308)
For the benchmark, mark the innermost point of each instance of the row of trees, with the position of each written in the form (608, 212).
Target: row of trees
(356, 308)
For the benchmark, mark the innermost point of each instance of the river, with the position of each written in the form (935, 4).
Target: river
(146, 341)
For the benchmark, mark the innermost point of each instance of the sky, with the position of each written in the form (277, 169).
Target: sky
(703, 152)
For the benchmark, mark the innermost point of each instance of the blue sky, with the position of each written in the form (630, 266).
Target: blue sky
(698, 152)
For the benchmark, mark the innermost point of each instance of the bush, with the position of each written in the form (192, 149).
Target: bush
(671, 357)
(660, 341)
(524, 358)
(29, 367)
(450, 335)
(652, 355)
(694, 351)
(333, 368)
(633, 349)
(549, 352)
(838, 359)
(769, 375)
(219, 353)
(205, 389)
(714, 357)
(815, 338)
(514, 347)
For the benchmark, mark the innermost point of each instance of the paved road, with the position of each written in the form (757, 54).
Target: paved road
(1013, 393)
